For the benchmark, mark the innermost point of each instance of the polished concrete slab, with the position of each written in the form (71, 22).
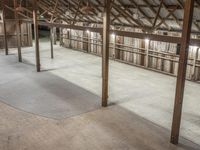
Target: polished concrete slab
(146, 94)
(43, 93)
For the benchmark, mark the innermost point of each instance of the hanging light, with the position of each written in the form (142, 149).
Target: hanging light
(113, 35)
(147, 40)
(194, 47)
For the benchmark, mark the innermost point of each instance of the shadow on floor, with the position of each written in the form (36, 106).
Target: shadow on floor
(44, 93)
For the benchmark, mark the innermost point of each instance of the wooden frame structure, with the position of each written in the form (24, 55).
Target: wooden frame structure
(105, 56)
(4, 28)
(19, 40)
(54, 14)
(188, 14)
(35, 20)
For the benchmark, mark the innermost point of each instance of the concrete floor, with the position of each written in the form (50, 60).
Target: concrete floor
(43, 93)
(139, 120)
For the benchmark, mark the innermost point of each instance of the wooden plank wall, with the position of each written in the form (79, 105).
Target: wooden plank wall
(11, 29)
(11, 34)
(162, 56)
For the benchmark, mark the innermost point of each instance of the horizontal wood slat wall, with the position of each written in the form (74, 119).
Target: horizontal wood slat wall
(161, 56)
(12, 37)
(11, 28)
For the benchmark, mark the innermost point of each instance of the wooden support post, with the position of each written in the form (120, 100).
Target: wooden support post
(4, 27)
(114, 45)
(86, 43)
(54, 33)
(194, 63)
(147, 46)
(97, 50)
(19, 41)
(89, 42)
(18, 31)
(187, 23)
(61, 36)
(35, 21)
(70, 36)
(51, 41)
(117, 51)
(101, 39)
(141, 56)
(105, 56)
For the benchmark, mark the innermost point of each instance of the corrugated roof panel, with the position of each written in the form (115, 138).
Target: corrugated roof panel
(134, 10)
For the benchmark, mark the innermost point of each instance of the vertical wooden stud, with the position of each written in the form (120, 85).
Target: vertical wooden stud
(4, 27)
(105, 56)
(51, 41)
(194, 63)
(54, 33)
(61, 36)
(18, 32)
(180, 85)
(147, 46)
(35, 21)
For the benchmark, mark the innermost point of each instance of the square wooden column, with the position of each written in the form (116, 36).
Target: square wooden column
(35, 21)
(18, 31)
(4, 28)
(51, 41)
(180, 85)
(61, 35)
(105, 55)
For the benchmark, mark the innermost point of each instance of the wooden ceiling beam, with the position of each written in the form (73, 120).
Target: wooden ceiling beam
(157, 14)
(154, 11)
(172, 14)
(153, 37)
(194, 23)
(141, 11)
(126, 15)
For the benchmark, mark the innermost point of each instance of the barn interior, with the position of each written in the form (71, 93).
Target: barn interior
(99, 75)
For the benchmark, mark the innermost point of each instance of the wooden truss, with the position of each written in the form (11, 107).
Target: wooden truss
(116, 13)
